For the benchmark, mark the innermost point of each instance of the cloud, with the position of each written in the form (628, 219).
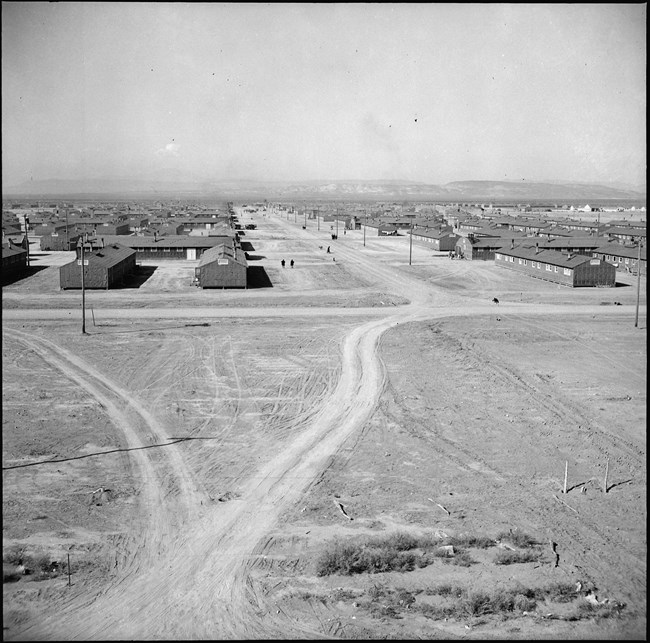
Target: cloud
(171, 149)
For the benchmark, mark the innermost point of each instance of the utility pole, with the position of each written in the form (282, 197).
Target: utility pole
(365, 225)
(67, 234)
(27, 238)
(305, 216)
(83, 288)
(337, 222)
(318, 218)
(638, 282)
(410, 242)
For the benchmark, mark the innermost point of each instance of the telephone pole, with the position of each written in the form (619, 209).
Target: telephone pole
(410, 242)
(638, 282)
(83, 288)
(365, 225)
(27, 238)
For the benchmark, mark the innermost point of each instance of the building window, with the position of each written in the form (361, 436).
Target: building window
(554, 268)
(548, 267)
(525, 262)
(167, 249)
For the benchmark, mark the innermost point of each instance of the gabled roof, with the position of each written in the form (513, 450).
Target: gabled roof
(221, 251)
(434, 233)
(626, 231)
(552, 257)
(571, 242)
(170, 241)
(11, 250)
(108, 256)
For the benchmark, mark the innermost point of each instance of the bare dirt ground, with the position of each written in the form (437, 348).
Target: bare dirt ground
(196, 454)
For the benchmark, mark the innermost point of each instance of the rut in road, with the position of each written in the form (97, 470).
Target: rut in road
(204, 592)
(155, 524)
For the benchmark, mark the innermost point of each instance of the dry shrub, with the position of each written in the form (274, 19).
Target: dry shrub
(517, 538)
(10, 576)
(512, 557)
(348, 559)
(445, 589)
(469, 540)
(463, 559)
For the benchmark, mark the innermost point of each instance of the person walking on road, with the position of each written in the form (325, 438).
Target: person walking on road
(282, 262)
(292, 263)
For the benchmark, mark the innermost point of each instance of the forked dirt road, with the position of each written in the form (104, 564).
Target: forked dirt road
(186, 574)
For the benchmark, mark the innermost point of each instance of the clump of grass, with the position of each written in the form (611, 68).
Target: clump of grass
(469, 540)
(523, 603)
(560, 592)
(445, 589)
(389, 603)
(585, 610)
(463, 603)
(343, 594)
(45, 567)
(400, 541)
(463, 559)
(13, 555)
(348, 559)
(512, 557)
(441, 553)
(517, 538)
(435, 612)
(10, 576)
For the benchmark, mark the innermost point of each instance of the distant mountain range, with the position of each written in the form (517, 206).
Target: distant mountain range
(519, 191)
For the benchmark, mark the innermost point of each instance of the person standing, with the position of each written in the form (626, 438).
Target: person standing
(282, 262)
(292, 263)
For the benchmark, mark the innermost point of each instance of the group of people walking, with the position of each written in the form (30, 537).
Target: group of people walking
(290, 263)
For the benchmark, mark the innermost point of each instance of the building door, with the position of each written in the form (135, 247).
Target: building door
(191, 254)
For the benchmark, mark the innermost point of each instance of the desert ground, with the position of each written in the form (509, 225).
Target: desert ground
(361, 446)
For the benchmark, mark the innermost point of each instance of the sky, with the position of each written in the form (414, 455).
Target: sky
(431, 93)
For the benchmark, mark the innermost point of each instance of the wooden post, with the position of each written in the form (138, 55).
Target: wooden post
(68, 569)
(93, 313)
(638, 282)
(606, 474)
(566, 474)
(83, 290)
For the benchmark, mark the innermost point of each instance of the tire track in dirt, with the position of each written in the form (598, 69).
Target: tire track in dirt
(154, 536)
(572, 529)
(222, 545)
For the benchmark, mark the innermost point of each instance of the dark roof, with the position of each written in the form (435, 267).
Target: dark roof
(552, 257)
(10, 250)
(170, 241)
(108, 256)
(433, 233)
(627, 231)
(571, 242)
(223, 250)
(618, 249)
